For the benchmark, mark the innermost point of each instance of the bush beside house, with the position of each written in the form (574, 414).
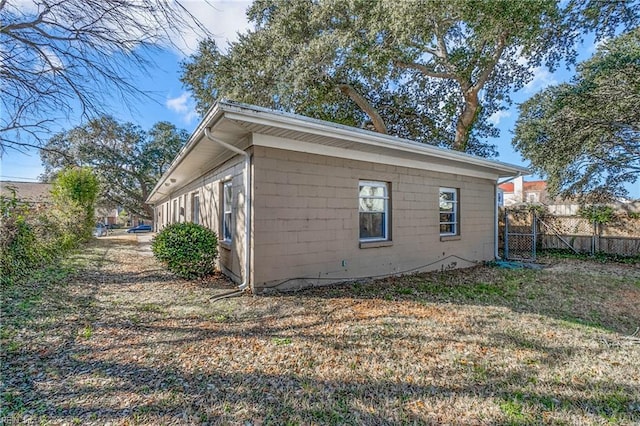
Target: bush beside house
(187, 249)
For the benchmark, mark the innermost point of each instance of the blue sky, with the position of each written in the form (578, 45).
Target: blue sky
(172, 103)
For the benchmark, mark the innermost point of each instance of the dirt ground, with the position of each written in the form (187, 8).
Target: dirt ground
(117, 340)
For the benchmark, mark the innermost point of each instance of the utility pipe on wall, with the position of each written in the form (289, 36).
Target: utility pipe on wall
(247, 204)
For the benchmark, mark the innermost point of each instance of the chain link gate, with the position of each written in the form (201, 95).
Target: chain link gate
(518, 235)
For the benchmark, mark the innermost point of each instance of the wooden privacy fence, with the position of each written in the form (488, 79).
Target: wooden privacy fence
(523, 233)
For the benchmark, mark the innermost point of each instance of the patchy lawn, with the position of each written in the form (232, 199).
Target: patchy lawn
(110, 337)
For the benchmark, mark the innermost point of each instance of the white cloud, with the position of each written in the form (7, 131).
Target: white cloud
(592, 47)
(499, 115)
(23, 6)
(542, 79)
(51, 62)
(222, 18)
(184, 106)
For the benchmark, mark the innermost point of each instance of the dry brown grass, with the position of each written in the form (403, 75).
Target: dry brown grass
(113, 338)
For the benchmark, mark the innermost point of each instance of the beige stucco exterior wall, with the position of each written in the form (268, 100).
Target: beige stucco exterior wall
(209, 189)
(306, 221)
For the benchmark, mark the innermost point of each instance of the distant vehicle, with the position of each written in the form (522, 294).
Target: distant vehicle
(140, 228)
(100, 230)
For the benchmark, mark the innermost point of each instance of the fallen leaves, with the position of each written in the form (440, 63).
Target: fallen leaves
(126, 343)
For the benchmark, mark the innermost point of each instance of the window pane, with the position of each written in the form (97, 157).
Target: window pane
(445, 206)
(447, 228)
(372, 205)
(228, 196)
(227, 226)
(372, 191)
(447, 217)
(447, 196)
(372, 225)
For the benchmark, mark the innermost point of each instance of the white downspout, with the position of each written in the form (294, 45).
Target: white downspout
(495, 214)
(247, 204)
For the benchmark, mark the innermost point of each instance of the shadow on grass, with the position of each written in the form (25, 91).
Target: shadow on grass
(604, 301)
(58, 381)
(166, 395)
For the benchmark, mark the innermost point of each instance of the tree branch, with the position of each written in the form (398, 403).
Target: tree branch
(484, 76)
(423, 69)
(352, 93)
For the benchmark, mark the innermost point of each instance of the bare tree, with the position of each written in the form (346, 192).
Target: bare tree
(62, 57)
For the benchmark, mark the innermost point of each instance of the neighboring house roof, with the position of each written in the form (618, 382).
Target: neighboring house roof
(506, 187)
(28, 192)
(534, 185)
(106, 212)
(234, 123)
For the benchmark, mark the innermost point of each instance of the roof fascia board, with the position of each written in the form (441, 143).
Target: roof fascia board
(213, 115)
(350, 154)
(224, 109)
(248, 113)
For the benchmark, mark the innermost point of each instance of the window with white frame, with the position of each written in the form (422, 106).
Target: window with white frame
(195, 208)
(374, 211)
(449, 217)
(175, 211)
(227, 199)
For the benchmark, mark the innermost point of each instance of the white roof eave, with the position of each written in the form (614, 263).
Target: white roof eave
(244, 112)
(239, 112)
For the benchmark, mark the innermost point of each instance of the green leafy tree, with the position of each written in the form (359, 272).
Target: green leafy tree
(584, 136)
(434, 71)
(127, 160)
(75, 191)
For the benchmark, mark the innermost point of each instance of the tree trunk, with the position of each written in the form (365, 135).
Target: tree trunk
(378, 122)
(466, 120)
(145, 193)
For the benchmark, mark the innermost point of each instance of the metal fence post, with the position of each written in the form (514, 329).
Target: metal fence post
(506, 234)
(534, 224)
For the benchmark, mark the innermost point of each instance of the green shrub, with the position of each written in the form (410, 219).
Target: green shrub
(75, 191)
(187, 249)
(32, 236)
(18, 249)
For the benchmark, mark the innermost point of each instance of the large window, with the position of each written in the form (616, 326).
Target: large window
(449, 217)
(195, 208)
(227, 199)
(374, 211)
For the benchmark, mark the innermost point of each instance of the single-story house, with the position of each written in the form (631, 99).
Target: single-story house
(35, 194)
(299, 202)
(106, 215)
